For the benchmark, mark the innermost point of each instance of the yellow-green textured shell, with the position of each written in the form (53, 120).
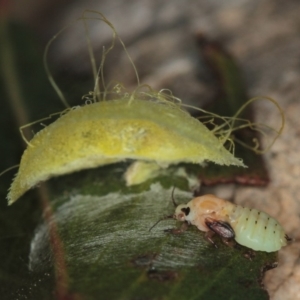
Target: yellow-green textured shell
(111, 131)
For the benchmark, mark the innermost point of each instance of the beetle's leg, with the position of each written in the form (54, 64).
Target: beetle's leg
(229, 242)
(182, 229)
(250, 254)
(209, 236)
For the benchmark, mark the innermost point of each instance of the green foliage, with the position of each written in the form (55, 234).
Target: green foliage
(95, 240)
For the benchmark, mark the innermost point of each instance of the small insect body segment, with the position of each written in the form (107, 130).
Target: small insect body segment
(252, 228)
(257, 230)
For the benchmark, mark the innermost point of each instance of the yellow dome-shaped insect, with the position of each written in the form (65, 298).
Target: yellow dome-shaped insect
(111, 131)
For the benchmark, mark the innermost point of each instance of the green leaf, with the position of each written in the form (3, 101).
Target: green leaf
(95, 240)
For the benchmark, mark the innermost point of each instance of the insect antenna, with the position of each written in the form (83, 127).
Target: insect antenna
(164, 218)
(172, 196)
